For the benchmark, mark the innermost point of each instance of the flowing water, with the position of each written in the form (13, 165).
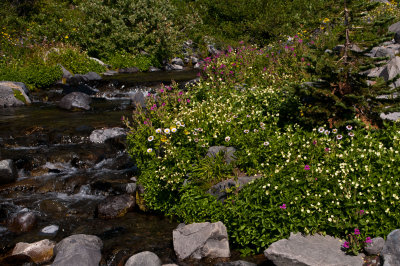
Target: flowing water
(63, 176)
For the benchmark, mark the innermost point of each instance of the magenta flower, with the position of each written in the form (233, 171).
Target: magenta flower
(179, 99)
(162, 90)
(307, 167)
(362, 212)
(181, 92)
(314, 142)
(368, 240)
(188, 100)
(356, 231)
(283, 206)
(327, 149)
(145, 122)
(163, 104)
(346, 244)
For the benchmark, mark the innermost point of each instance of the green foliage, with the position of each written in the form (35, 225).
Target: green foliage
(123, 59)
(74, 60)
(260, 21)
(35, 75)
(19, 96)
(314, 180)
(131, 26)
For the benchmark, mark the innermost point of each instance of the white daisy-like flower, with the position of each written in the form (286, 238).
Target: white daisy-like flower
(227, 138)
(178, 123)
(334, 131)
(173, 129)
(150, 138)
(158, 130)
(349, 127)
(266, 143)
(149, 150)
(167, 131)
(351, 134)
(321, 130)
(228, 120)
(326, 132)
(255, 130)
(339, 136)
(246, 131)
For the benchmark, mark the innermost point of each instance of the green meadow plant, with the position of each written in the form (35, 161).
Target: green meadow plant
(320, 180)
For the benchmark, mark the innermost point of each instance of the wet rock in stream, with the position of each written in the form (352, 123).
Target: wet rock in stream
(115, 206)
(75, 100)
(78, 250)
(24, 221)
(39, 252)
(8, 172)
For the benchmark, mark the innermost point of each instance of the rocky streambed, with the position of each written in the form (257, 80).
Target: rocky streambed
(73, 175)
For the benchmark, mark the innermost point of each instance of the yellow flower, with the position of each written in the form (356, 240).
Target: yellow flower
(163, 138)
(326, 20)
(60, 19)
(186, 132)
(66, 37)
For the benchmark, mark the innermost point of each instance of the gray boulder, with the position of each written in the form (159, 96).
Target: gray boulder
(220, 190)
(75, 100)
(315, 250)
(115, 206)
(375, 247)
(78, 78)
(177, 61)
(66, 74)
(171, 67)
(145, 258)
(391, 69)
(101, 135)
(24, 221)
(13, 94)
(395, 27)
(154, 69)
(381, 1)
(8, 172)
(128, 70)
(39, 252)
(229, 152)
(78, 250)
(201, 240)
(50, 230)
(138, 99)
(212, 50)
(382, 51)
(395, 116)
(98, 61)
(110, 73)
(391, 249)
(395, 84)
(198, 65)
(194, 59)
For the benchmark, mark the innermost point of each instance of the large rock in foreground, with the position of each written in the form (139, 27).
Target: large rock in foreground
(13, 94)
(78, 250)
(145, 258)
(315, 250)
(39, 252)
(201, 240)
(8, 172)
(391, 249)
(75, 100)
